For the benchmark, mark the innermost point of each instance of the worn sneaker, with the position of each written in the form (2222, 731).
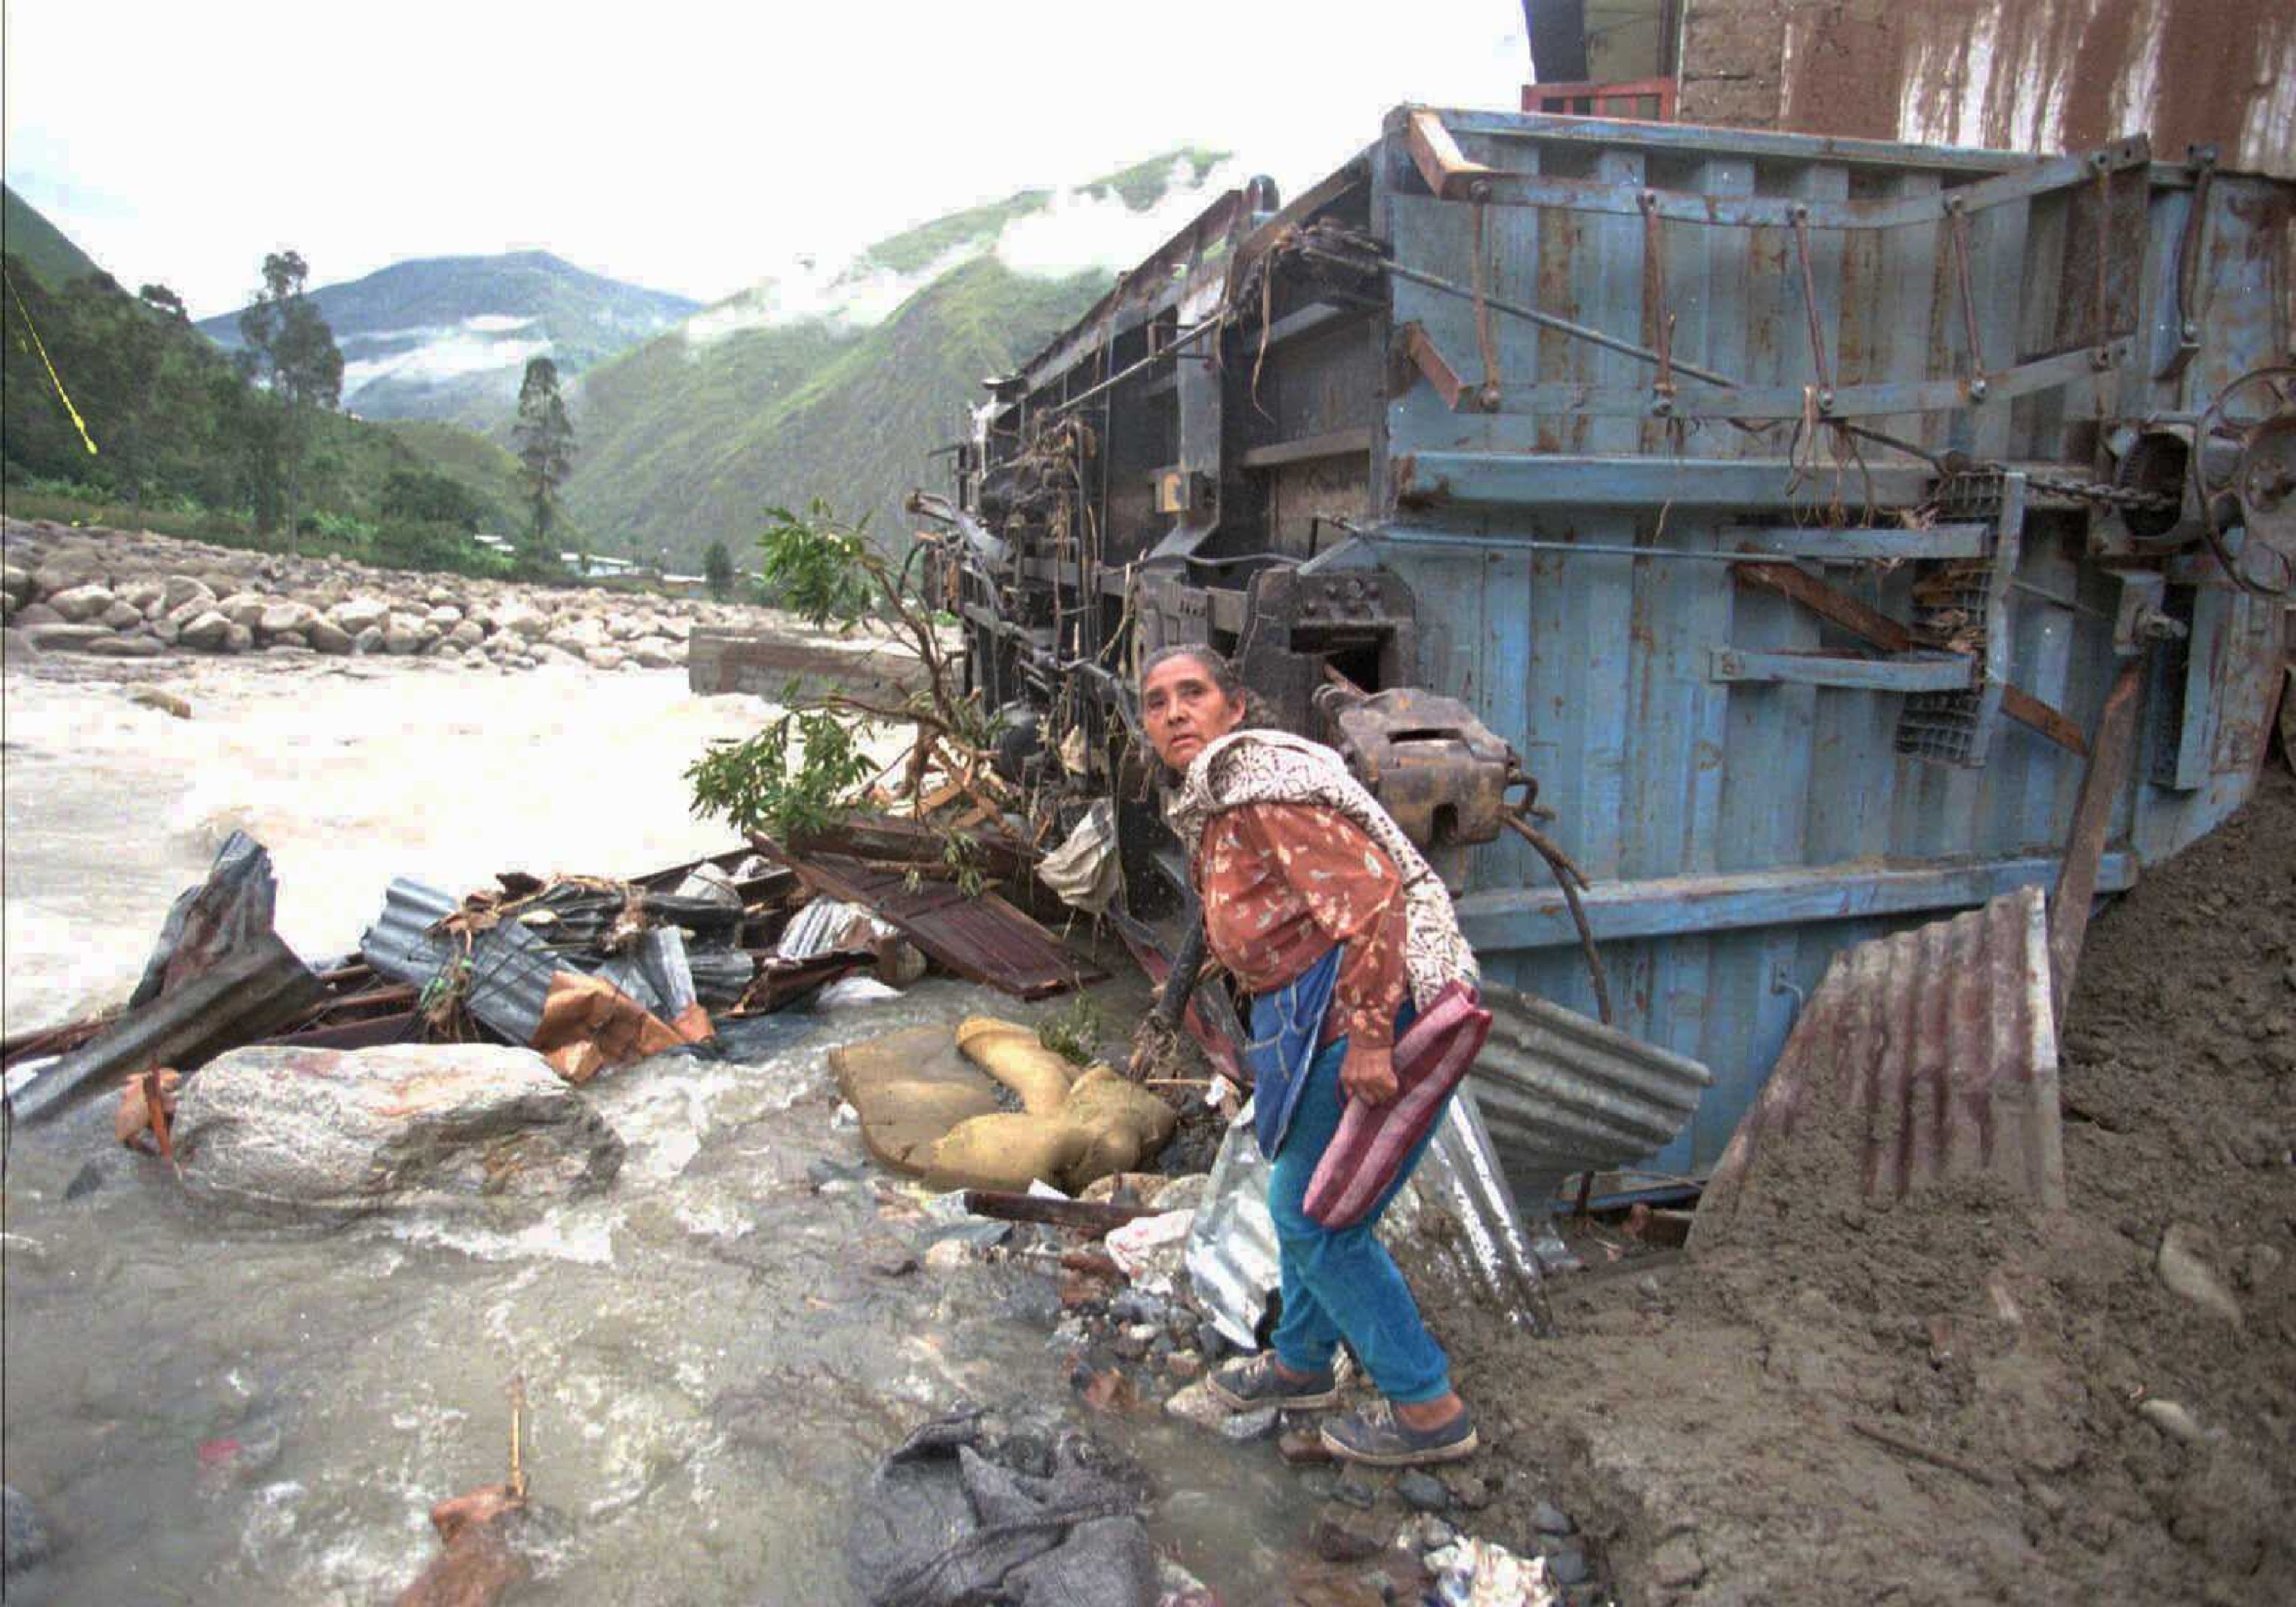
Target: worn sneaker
(1253, 1383)
(1377, 1437)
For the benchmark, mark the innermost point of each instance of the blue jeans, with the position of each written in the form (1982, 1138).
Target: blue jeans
(1344, 1283)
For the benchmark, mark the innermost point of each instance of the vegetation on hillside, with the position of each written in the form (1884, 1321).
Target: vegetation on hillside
(685, 439)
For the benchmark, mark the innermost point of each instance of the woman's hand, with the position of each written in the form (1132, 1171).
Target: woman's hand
(1368, 1074)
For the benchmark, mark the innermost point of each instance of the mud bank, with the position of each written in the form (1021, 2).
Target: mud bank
(1708, 1407)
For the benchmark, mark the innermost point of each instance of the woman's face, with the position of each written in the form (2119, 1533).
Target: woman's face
(1184, 710)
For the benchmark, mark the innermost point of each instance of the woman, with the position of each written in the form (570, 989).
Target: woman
(1314, 900)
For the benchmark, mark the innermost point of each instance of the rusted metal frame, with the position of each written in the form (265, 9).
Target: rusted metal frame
(1863, 620)
(1508, 188)
(1661, 312)
(2189, 248)
(1824, 399)
(1932, 671)
(1957, 231)
(1333, 443)
(1420, 347)
(1168, 353)
(1302, 207)
(1439, 161)
(1956, 540)
(1873, 400)
(1132, 302)
(1693, 139)
(1545, 320)
(2100, 788)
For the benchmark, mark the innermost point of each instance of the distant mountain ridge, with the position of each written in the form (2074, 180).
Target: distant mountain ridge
(449, 337)
(837, 383)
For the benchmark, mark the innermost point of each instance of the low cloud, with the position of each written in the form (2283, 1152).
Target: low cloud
(1078, 231)
(1074, 232)
(442, 352)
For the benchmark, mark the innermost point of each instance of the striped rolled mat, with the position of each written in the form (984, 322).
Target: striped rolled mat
(1372, 1141)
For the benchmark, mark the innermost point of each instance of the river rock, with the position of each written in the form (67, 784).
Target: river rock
(652, 654)
(62, 637)
(445, 616)
(110, 646)
(404, 1125)
(519, 618)
(369, 640)
(178, 590)
(15, 583)
(35, 613)
(244, 608)
(121, 616)
(165, 632)
(143, 593)
(579, 636)
(403, 635)
(238, 638)
(285, 616)
(604, 658)
(79, 602)
(63, 571)
(206, 631)
(359, 612)
(467, 633)
(327, 636)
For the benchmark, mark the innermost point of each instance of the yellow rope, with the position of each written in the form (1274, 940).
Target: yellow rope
(41, 347)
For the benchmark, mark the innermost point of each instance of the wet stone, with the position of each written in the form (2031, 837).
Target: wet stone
(1357, 1490)
(1422, 1492)
(24, 1538)
(1302, 1447)
(1676, 1562)
(1242, 1427)
(1549, 1519)
(1471, 1492)
(1342, 1535)
(1567, 1568)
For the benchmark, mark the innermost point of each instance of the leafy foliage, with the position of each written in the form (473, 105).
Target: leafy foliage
(755, 785)
(815, 567)
(1073, 1033)
(288, 354)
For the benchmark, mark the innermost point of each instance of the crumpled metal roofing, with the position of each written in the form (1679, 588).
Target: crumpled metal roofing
(1942, 1042)
(510, 968)
(1231, 1253)
(1562, 1094)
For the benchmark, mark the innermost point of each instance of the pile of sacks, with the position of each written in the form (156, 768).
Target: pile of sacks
(931, 1107)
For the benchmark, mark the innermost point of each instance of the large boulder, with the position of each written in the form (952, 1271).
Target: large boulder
(244, 608)
(578, 636)
(143, 593)
(652, 654)
(182, 589)
(467, 633)
(360, 612)
(64, 636)
(604, 658)
(519, 618)
(109, 646)
(403, 633)
(79, 602)
(351, 1132)
(324, 635)
(15, 582)
(284, 615)
(369, 640)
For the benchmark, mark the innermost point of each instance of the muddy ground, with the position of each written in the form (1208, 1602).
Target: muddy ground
(1696, 1409)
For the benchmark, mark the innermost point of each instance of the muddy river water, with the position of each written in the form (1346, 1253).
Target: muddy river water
(207, 1406)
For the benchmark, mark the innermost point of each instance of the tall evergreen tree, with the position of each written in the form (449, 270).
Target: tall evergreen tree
(545, 443)
(290, 353)
(718, 570)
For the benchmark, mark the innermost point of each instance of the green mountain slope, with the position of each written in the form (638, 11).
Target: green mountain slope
(794, 390)
(24, 234)
(449, 337)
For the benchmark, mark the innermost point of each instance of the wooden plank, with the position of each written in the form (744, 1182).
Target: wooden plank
(1883, 632)
(1438, 158)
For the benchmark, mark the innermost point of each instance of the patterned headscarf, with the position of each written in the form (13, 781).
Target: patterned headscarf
(1257, 766)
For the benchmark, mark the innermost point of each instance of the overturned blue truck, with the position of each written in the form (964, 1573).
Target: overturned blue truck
(1802, 539)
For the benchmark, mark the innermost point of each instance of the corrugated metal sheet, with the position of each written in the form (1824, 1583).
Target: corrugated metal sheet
(510, 968)
(1564, 1094)
(1940, 1046)
(1454, 1221)
(977, 936)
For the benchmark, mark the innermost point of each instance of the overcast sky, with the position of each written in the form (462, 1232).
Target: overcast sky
(683, 146)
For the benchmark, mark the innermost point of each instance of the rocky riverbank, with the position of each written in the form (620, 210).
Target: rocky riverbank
(137, 594)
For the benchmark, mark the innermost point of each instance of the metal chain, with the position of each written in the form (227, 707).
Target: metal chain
(2120, 497)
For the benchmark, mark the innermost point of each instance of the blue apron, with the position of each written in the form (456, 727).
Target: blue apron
(1287, 1026)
